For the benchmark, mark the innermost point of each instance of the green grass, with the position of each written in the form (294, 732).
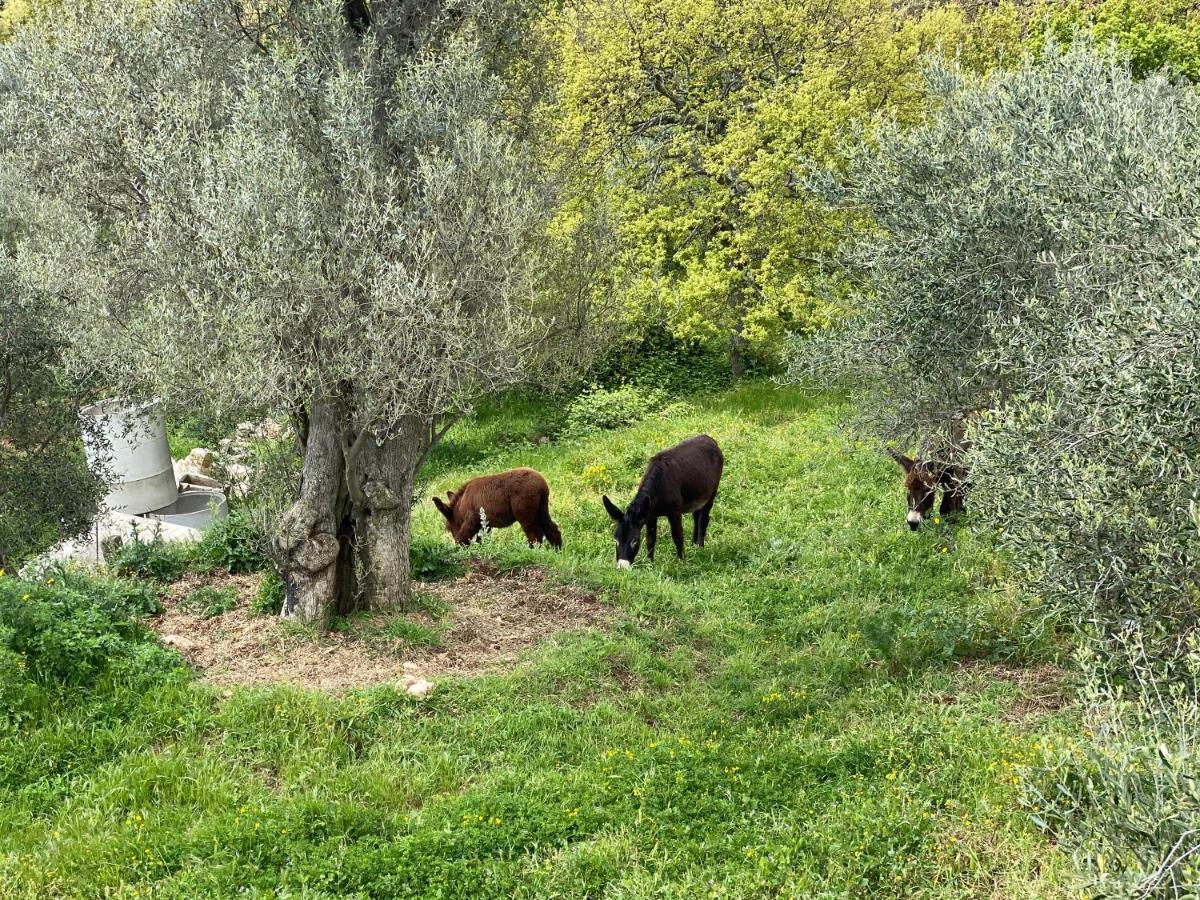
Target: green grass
(770, 717)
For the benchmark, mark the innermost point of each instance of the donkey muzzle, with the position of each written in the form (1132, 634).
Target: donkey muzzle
(624, 564)
(914, 519)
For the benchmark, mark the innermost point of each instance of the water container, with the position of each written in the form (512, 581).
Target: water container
(132, 451)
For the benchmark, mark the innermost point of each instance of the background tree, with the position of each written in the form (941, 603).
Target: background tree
(313, 205)
(1153, 33)
(47, 492)
(700, 120)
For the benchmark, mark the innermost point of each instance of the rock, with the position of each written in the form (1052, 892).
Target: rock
(544, 439)
(419, 688)
(238, 477)
(179, 642)
(266, 430)
(199, 462)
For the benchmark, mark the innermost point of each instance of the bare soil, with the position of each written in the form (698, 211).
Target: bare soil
(481, 622)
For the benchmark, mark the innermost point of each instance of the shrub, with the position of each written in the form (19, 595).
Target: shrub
(236, 543)
(70, 629)
(602, 409)
(152, 558)
(659, 360)
(1125, 802)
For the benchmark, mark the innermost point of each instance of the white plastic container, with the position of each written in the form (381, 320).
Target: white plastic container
(137, 457)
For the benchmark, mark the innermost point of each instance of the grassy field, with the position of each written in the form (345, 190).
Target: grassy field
(816, 704)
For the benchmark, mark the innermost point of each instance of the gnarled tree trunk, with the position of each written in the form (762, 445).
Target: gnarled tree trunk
(312, 538)
(389, 470)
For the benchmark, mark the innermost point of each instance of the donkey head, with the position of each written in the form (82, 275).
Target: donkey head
(920, 484)
(447, 508)
(628, 534)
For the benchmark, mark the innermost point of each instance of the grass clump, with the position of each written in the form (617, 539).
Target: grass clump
(211, 601)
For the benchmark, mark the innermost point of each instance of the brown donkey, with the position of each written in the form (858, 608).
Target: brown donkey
(518, 495)
(923, 479)
(682, 479)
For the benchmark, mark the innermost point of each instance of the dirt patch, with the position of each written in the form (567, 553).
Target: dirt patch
(1040, 689)
(481, 622)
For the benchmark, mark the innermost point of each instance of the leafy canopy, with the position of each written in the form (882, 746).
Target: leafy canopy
(698, 121)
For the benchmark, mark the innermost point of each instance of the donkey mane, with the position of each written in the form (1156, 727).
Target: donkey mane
(638, 510)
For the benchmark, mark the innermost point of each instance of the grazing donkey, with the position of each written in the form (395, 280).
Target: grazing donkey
(519, 495)
(680, 480)
(923, 479)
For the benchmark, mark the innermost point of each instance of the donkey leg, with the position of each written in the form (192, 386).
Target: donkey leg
(676, 520)
(651, 536)
(533, 534)
(702, 521)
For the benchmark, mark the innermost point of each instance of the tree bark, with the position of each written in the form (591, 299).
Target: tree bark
(311, 537)
(389, 471)
(737, 366)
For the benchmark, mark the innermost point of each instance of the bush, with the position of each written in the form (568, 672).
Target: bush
(659, 360)
(1125, 802)
(602, 409)
(236, 543)
(152, 558)
(69, 629)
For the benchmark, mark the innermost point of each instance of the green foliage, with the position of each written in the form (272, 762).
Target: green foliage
(729, 730)
(211, 601)
(705, 118)
(603, 409)
(269, 597)
(1153, 33)
(236, 543)
(150, 557)
(47, 492)
(656, 359)
(433, 559)
(1124, 800)
(70, 630)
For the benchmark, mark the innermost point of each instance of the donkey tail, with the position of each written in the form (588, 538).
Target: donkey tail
(546, 524)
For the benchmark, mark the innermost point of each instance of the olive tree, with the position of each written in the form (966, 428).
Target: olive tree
(317, 206)
(1033, 269)
(47, 492)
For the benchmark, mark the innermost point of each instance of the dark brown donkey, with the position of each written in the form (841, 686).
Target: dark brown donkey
(680, 480)
(922, 480)
(518, 495)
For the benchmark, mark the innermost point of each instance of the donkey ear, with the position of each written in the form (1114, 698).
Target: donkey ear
(904, 461)
(451, 497)
(442, 507)
(613, 509)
